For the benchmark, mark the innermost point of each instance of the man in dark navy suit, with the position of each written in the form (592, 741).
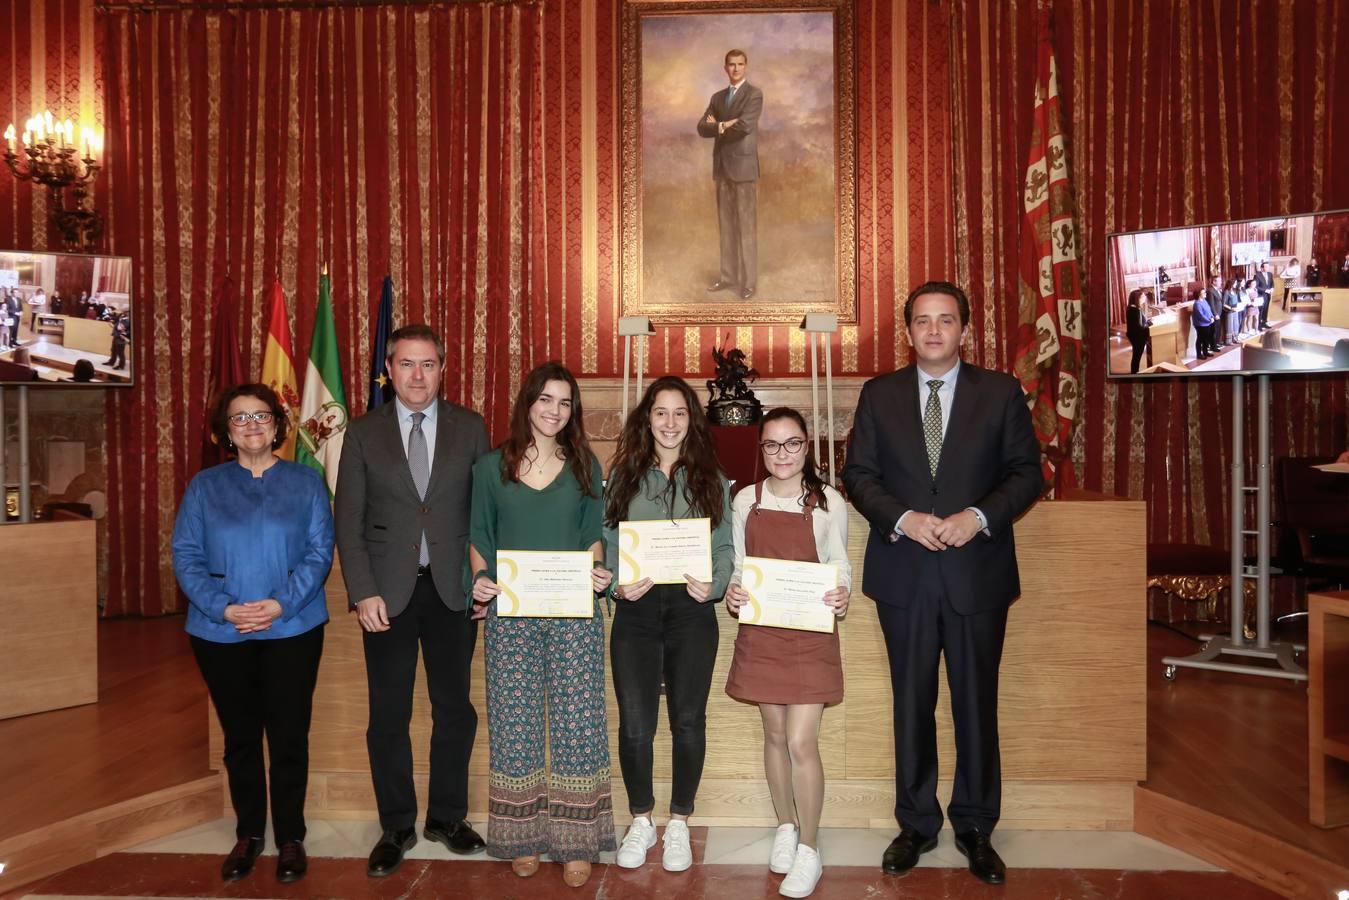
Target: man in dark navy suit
(943, 459)
(732, 121)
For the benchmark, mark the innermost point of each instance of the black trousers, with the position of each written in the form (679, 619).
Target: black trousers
(446, 638)
(1140, 346)
(264, 687)
(666, 634)
(915, 637)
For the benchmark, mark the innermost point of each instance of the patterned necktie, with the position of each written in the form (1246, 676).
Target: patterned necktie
(420, 465)
(932, 424)
(730, 95)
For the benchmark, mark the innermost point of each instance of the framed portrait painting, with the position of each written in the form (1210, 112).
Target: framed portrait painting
(738, 161)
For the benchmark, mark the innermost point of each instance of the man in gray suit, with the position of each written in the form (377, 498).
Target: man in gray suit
(732, 121)
(401, 510)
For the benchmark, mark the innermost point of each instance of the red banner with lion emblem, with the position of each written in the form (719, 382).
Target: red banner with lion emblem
(1049, 334)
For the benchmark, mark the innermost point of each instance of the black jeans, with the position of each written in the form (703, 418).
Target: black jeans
(665, 633)
(446, 638)
(259, 686)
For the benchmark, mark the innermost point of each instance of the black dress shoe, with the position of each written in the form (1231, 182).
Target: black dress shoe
(747, 293)
(240, 861)
(985, 864)
(291, 863)
(720, 286)
(903, 852)
(388, 853)
(459, 838)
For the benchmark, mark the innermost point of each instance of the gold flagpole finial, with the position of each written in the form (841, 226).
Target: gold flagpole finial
(325, 269)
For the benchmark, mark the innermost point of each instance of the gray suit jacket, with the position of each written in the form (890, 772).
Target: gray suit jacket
(735, 152)
(380, 518)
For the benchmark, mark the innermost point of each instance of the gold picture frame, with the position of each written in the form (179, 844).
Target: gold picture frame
(671, 60)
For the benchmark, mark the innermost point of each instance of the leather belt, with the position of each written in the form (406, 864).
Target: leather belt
(424, 570)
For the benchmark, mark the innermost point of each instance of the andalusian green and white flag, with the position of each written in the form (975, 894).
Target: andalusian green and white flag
(323, 406)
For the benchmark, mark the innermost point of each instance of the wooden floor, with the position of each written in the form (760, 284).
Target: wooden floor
(147, 732)
(1235, 748)
(1230, 745)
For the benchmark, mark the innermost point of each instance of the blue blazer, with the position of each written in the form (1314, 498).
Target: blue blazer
(239, 538)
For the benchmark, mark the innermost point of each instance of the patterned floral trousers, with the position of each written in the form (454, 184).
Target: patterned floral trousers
(549, 669)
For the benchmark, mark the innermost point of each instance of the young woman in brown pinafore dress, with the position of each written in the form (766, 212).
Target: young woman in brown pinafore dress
(791, 675)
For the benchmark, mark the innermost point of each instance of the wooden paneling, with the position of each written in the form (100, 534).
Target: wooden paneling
(1073, 698)
(49, 645)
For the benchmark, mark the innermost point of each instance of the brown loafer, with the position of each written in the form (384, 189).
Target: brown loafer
(525, 866)
(576, 873)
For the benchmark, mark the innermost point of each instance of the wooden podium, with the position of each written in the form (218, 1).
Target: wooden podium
(49, 647)
(1072, 718)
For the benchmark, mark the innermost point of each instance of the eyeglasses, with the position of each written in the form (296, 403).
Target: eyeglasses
(792, 446)
(242, 419)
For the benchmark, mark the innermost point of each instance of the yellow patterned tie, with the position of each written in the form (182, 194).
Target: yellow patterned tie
(932, 424)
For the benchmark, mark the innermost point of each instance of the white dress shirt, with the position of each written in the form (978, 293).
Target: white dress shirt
(946, 396)
(428, 429)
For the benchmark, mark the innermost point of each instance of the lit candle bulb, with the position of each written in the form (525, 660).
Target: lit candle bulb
(50, 125)
(69, 133)
(9, 136)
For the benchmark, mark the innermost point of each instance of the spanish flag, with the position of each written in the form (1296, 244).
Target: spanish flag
(278, 368)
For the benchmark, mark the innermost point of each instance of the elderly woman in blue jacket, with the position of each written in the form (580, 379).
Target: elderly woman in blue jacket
(252, 546)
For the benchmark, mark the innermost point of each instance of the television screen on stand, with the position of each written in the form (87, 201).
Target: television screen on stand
(65, 319)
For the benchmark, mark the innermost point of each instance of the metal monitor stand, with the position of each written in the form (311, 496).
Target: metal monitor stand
(1236, 643)
(25, 489)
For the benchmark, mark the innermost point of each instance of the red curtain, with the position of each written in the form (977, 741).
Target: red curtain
(269, 142)
(1172, 104)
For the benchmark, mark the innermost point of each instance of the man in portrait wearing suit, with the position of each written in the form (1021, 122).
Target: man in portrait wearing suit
(732, 121)
(943, 458)
(401, 510)
(1264, 286)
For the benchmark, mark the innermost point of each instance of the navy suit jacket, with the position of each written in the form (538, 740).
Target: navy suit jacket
(990, 459)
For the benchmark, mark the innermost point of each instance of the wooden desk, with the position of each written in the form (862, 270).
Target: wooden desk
(1164, 334)
(1328, 708)
(1073, 699)
(49, 646)
(89, 335)
(1334, 307)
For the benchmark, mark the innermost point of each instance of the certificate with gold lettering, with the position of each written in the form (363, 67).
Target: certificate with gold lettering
(786, 593)
(550, 584)
(664, 550)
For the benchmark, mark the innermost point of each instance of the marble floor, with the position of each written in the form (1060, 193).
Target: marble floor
(729, 863)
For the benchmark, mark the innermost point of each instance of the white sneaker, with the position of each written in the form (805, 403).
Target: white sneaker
(784, 849)
(805, 873)
(640, 838)
(677, 856)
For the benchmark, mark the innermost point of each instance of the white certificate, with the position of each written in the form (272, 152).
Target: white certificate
(786, 593)
(545, 584)
(664, 550)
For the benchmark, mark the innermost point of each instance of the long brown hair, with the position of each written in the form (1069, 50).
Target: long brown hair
(811, 482)
(571, 439)
(636, 454)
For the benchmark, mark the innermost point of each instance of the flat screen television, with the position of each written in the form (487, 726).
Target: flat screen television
(65, 319)
(1296, 320)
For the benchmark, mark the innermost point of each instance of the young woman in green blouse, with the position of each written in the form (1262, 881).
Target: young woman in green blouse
(541, 490)
(665, 467)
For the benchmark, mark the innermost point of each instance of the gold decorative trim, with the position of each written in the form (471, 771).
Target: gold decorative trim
(845, 210)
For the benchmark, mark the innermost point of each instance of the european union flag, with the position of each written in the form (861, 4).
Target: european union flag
(380, 387)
